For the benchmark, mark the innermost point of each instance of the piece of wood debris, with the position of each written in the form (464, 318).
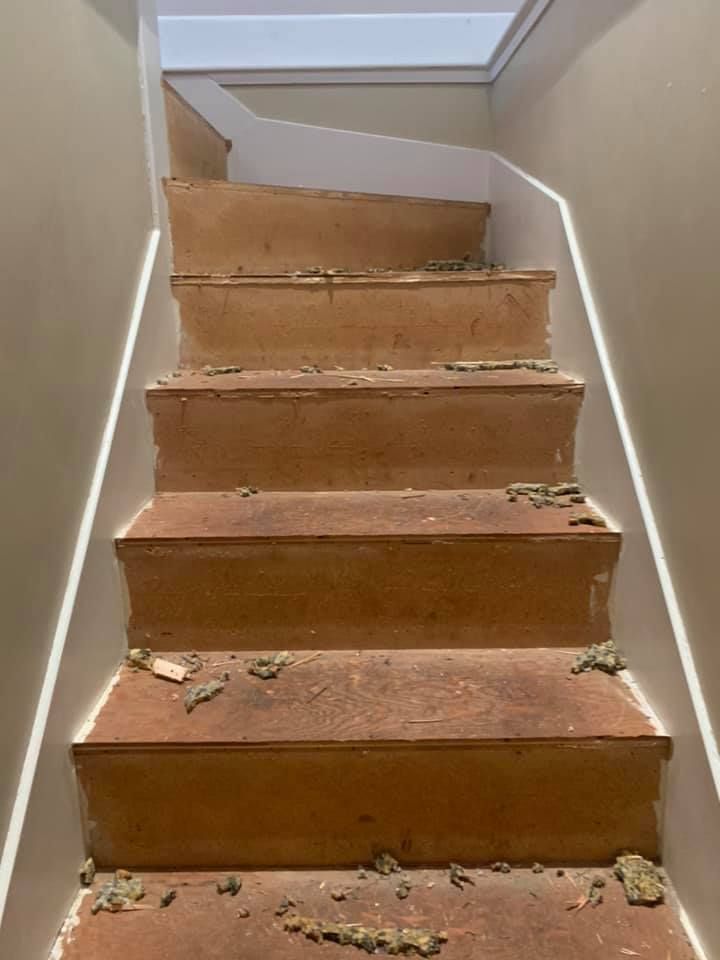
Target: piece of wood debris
(167, 670)
(299, 663)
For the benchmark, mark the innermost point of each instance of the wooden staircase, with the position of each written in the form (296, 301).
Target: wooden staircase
(433, 713)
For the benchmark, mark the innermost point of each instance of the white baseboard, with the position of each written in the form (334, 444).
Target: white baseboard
(37, 733)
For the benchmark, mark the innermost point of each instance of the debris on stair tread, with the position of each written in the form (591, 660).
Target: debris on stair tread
(490, 375)
(478, 366)
(385, 864)
(268, 667)
(408, 940)
(600, 656)
(202, 693)
(643, 883)
(231, 885)
(121, 892)
(87, 872)
(505, 917)
(474, 695)
(459, 876)
(383, 515)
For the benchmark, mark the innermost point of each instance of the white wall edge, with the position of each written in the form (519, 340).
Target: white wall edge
(282, 153)
(668, 590)
(370, 75)
(695, 941)
(515, 38)
(32, 753)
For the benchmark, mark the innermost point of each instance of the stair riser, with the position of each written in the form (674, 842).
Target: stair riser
(323, 807)
(505, 592)
(217, 228)
(350, 439)
(279, 324)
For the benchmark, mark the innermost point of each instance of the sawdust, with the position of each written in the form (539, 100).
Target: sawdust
(87, 872)
(402, 890)
(231, 885)
(193, 661)
(243, 913)
(453, 266)
(478, 366)
(587, 520)
(312, 368)
(284, 906)
(267, 668)
(221, 371)
(643, 882)
(392, 941)
(167, 898)
(538, 868)
(120, 893)
(385, 864)
(140, 658)
(246, 491)
(600, 656)
(500, 867)
(202, 693)
(593, 896)
(459, 876)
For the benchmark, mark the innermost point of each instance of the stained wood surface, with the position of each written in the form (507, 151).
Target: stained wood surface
(325, 805)
(501, 917)
(359, 696)
(196, 148)
(403, 319)
(220, 227)
(380, 514)
(390, 430)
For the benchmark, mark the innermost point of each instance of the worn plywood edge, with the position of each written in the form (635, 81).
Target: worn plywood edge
(170, 89)
(317, 194)
(129, 541)
(371, 278)
(652, 743)
(266, 391)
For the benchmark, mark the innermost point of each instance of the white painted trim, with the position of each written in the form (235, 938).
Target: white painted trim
(695, 941)
(299, 155)
(190, 8)
(641, 492)
(210, 44)
(32, 753)
(515, 37)
(240, 78)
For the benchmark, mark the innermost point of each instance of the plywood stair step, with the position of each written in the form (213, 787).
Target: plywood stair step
(221, 227)
(360, 320)
(503, 917)
(364, 570)
(514, 757)
(363, 429)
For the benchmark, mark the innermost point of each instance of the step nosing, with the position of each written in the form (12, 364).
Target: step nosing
(598, 740)
(361, 277)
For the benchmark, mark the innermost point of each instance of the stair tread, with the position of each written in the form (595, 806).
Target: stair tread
(404, 697)
(501, 916)
(355, 381)
(385, 514)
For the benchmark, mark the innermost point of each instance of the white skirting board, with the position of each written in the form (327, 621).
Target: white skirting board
(295, 154)
(532, 226)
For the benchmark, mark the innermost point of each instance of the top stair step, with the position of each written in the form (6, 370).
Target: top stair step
(221, 227)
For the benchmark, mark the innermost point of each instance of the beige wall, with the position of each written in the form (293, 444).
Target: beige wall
(76, 218)
(453, 113)
(615, 106)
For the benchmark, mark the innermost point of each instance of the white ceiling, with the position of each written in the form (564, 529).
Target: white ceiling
(208, 8)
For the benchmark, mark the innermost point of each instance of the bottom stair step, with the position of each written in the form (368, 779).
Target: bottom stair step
(436, 755)
(501, 917)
